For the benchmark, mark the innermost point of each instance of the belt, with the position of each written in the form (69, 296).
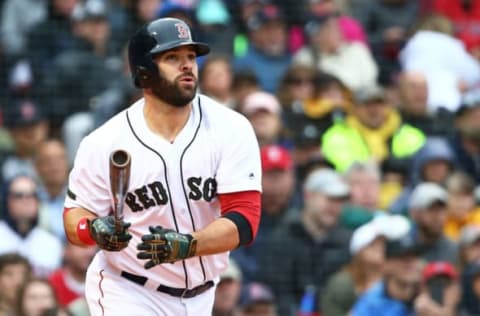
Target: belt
(173, 291)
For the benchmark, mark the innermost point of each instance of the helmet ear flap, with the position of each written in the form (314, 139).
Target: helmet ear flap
(143, 77)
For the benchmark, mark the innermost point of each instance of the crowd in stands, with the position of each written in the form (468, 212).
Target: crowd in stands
(367, 113)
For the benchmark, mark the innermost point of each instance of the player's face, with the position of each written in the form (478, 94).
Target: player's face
(178, 73)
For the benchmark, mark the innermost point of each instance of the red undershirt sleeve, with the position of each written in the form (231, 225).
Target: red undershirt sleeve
(243, 209)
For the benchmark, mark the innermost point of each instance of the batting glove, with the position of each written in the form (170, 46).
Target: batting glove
(102, 230)
(165, 245)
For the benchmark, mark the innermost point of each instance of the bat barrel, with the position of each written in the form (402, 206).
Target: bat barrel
(119, 179)
(120, 158)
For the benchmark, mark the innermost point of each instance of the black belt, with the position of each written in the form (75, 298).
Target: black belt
(187, 293)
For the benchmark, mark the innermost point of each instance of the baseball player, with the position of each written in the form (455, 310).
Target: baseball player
(193, 194)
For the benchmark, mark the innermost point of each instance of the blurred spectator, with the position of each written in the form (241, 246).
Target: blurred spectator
(216, 79)
(18, 18)
(20, 231)
(394, 294)
(470, 304)
(386, 23)
(296, 86)
(308, 249)
(452, 71)
(432, 163)
(14, 271)
(35, 296)
(52, 36)
(227, 293)
(469, 246)
(51, 164)
(264, 113)
(367, 250)
(466, 140)
(364, 181)
(28, 128)
(428, 210)
(278, 180)
(462, 209)
(242, 11)
(215, 25)
(440, 291)
(89, 68)
(68, 281)
(394, 174)
(329, 102)
(465, 16)
(257, 300)
(244, 83)
(139, 12)
(352, 30)
(327, 51)
(267, 54)
(413, 89)
(374, 131)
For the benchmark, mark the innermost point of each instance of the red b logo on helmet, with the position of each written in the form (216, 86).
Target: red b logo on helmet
(182, 30)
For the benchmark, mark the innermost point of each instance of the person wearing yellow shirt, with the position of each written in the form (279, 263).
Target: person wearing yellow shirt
(374, 131)
(462, 210)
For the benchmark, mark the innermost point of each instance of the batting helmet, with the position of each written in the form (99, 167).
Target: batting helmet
(153, 38)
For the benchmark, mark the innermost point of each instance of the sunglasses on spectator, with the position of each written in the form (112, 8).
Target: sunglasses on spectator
(22, 195)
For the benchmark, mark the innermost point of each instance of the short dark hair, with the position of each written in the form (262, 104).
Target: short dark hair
(13, 258)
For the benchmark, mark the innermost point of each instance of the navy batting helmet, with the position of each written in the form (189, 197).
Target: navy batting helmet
(154, 38)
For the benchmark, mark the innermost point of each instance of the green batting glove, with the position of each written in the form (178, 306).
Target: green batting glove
(102, 230)
(165, 245)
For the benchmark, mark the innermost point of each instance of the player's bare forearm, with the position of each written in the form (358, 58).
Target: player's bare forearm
(71, 219)
(219, 236)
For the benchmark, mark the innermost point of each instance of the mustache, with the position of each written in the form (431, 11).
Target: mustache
(186, 74)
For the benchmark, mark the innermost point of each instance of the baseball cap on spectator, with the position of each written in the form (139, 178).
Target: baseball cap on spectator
(426, 194)
(261, 101)
(255, 292)
(269, 13)
(90, 10)
(469, 235)
(402, 246)
(275, 157)
(439, 268)
(22, 113)
(328, 182)
(370, 94)
(363, 236)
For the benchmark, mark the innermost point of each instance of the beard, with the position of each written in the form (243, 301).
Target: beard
(172, 93)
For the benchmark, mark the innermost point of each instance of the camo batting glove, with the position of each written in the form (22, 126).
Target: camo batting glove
(165, 245)
(102, 230)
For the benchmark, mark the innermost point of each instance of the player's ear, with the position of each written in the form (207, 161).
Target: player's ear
(143, 77)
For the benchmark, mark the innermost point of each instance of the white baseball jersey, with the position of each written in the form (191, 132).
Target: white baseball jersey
(171, 184)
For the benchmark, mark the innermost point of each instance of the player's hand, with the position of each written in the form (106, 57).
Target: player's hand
(165, 245)
(102, 230)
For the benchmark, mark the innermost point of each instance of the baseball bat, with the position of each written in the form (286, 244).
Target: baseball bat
(120, 163)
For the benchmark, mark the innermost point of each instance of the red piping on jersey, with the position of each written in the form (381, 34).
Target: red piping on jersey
(101, 291)
(247, 203)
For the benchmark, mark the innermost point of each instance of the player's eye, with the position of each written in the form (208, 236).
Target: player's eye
(171, 57)
(192, 57)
